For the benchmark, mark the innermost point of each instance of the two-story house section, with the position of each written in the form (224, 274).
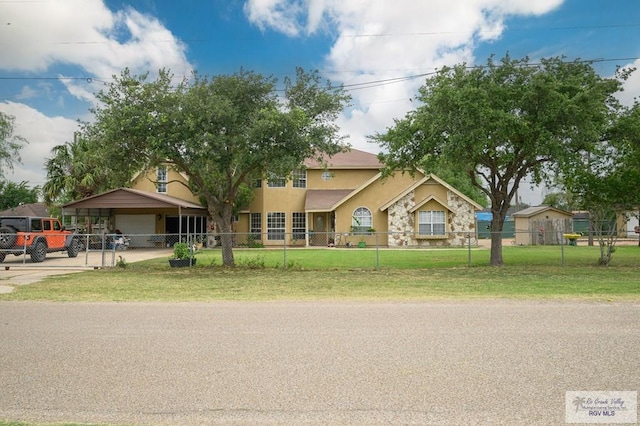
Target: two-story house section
(343, 202)
(347, 201)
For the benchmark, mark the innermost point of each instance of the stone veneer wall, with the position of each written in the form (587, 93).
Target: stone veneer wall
(461, 221)
(401, 223)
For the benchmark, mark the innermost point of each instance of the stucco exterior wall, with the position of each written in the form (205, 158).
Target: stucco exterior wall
(339, 179)
(175, 187)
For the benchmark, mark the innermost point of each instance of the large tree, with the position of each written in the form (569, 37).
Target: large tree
(224, 131)
(10, 143)
(501, 123)
(605, 180)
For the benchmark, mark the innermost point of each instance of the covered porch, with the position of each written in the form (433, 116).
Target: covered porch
(321, 217)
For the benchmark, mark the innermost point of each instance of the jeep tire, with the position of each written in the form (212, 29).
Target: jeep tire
(39, 252)
(74, 248)
(8, 237)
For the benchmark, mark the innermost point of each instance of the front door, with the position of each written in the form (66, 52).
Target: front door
(319, 235)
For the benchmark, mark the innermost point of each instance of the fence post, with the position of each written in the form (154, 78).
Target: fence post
(469, 249)
(562, 248)
(377, 253)
(284, 250)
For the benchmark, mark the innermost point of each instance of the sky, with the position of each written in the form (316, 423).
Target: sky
(56, 54)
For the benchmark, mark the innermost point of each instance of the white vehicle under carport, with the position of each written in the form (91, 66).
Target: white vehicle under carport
(36, 236)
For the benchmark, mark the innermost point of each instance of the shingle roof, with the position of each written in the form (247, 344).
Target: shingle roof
(352, 159)
(532, 211)
(33, 209)
(130, 198)
(324, 199)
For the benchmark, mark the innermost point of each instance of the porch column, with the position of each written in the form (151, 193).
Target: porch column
(306, 233)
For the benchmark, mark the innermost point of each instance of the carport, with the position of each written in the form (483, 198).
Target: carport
(138, 214)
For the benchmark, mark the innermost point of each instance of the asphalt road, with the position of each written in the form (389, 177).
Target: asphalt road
(484, 362)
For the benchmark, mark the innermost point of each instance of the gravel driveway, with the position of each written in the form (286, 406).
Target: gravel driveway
(485, 362)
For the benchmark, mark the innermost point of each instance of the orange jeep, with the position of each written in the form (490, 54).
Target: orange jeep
(36, 236)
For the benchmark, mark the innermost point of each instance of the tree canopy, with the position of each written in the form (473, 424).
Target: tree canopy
(605, 179)
(223, 131)
(10, 144)
(503, 122)
(86, 166)
(13, 194)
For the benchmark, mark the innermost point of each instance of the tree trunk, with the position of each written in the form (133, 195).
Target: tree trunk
(496, 241)
(226, 240)
(223, 218)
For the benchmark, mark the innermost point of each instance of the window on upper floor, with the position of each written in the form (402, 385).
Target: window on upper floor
(431, 222)
(161, 179)
(300, 178)
(276, 182)
(361, 221)
(327, 175)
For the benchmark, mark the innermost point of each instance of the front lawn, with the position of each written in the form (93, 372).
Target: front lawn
(328, 274)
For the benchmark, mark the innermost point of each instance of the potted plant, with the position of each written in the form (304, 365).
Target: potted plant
(182, 256)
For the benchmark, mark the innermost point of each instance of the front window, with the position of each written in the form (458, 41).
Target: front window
(161, 180)
(326, 175)
(256, 226)
(275, 225)
(431, 222)
(361, 221)
(298, 225)
(300, 178)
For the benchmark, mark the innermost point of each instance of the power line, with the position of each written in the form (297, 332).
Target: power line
(432, 33)
(349, 87)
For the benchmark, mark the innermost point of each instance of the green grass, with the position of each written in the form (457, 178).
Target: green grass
(324, 274)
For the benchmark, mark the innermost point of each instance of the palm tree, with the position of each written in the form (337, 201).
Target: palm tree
(578, 401)
(75, 171)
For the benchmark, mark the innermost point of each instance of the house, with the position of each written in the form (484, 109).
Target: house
(542, 225)
(346, 201)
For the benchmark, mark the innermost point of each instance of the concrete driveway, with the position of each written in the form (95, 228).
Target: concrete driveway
(471, 363)
(18, 270)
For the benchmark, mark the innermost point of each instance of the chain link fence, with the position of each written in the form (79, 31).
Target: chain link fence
(369, 250)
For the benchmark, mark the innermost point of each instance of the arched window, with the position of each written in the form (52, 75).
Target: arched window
(361, 220)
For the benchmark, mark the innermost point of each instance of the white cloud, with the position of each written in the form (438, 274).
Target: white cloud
(631, 87)
(86, 34)
(42, 133)
(84, 38)
(281, 15)
(378, 40)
